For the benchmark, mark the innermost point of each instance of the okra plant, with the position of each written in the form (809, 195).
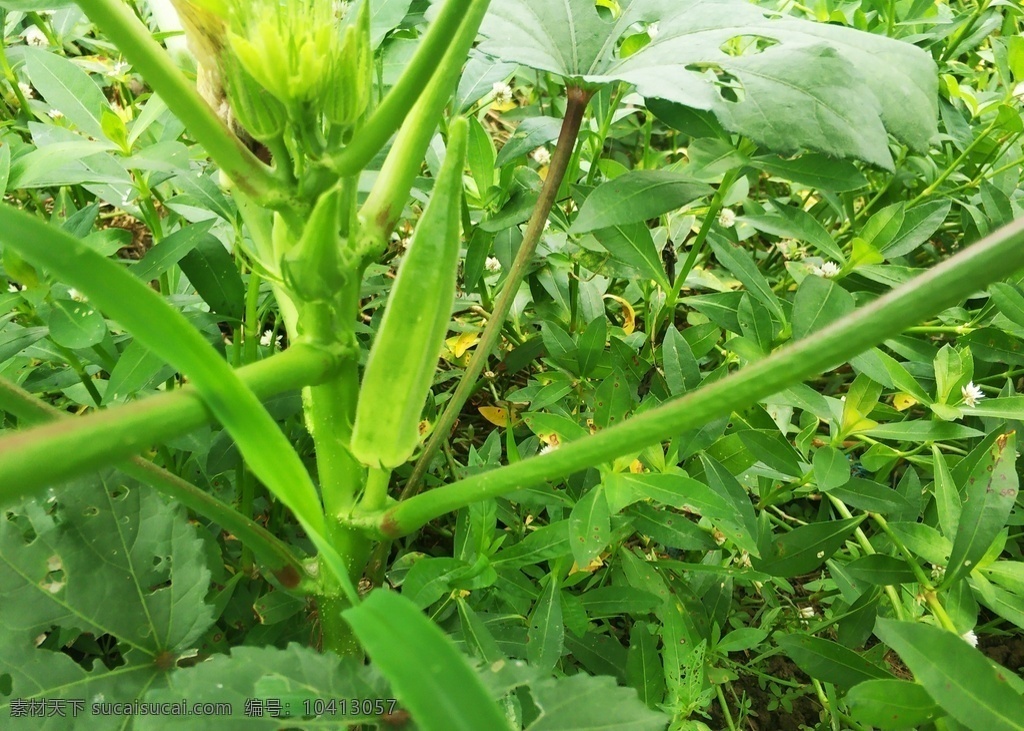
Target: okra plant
(409, 336)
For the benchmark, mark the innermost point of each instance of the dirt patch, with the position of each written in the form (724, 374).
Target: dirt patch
(770, 706)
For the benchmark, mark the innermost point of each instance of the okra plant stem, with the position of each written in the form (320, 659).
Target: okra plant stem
(578, 100)
(101, 437)
(942, 286)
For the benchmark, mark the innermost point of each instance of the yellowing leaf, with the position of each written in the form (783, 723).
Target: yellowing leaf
(589, 568)
(636, 467)
(628, 314)
(903, 401)
(495, 414)
(461, 343)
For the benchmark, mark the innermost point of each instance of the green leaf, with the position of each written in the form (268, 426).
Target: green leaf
(819, 302)
(584, 703)
(862, 85)
(261, 677)
(671, 530)
(212, 271)
(814, 171)
(881, 570)
(546, 634)
(643, 666)
(992, 345)
(610, 601)
(923, 431)
(108, 557)
(870, 496)
(742, 266)
(682, 372)
(589, 527)
(431, 677)
(795, 223)
(591, 345)
(76, 324)
(989, 497)
(170, 250)
(612, 400)
(806, 548)
(386, 15)
(632, 244)
(966, 684)
(741, 639)
(919, 223)
(831, 468)
(883, 226)
(829, 661)
(637, 196)
(892, 704)
(137, 368)
(67, 89)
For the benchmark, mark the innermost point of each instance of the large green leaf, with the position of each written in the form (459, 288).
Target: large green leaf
(969, 687)
(585, 703)
(988, 499)
(429, 675)
(804, 549)
(270, 688)
(891, 704)
(829, 661)
(636, 196)
(803, 84)
(105, 558)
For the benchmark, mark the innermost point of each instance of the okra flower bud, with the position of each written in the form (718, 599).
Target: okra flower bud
(316, 268)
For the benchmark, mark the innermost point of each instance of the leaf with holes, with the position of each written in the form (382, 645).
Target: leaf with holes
(65, 562)
(747, 65)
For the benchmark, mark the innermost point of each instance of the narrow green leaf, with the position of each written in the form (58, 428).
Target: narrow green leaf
(815, 171)
(170, 250)
(804, 549)
(632, 244)
(584, 703)
(212, 271)
(892, 704)
(682, 372)
(919, 223)
(829, 661)
(546, 634)
(428, 674)
(819, 302)
(740, 264)
(795, 223)
(591, 345)
(637, 196)
(643, 666)
(67, 88)
(881, 570)
(966, 684)
(589, 527)
(989, 497)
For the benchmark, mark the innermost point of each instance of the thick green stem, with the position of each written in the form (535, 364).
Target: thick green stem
(387, 198)
(133, 39)
(578, 99)
(282, 564)
(427, 61)
(943, 286)
(89, 442)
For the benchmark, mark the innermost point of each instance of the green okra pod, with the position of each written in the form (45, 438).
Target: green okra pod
(404, 355)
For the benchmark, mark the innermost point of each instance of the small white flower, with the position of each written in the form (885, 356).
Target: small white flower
(541, 156)
(76, 295)
(55, 114)
(970, 638)
(268, 337)
(827, 270)
(492, 265)
(652, 31)
(938, 572)
(26, 90)
(972, 394)
(547, 449)
(502, 92)
(726, 218)
(743, 560)
(807, 612)
(35, 37)
(11, 287)
(119, 68)
(790, 249)
(1018, 90)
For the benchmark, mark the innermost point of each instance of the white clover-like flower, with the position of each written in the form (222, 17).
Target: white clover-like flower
(76, 295)
(807, 612)
(268, 338)
(548, 448)
(541, 156)
(55, 114)
(492, 265)
(726, 218)
(502, 92)
(827, 270)
(970, 638)
(35, 37)
(938, 572)
(26, 90)
(790, 249)
(120, 68)
(972, 394)
(652, 31)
